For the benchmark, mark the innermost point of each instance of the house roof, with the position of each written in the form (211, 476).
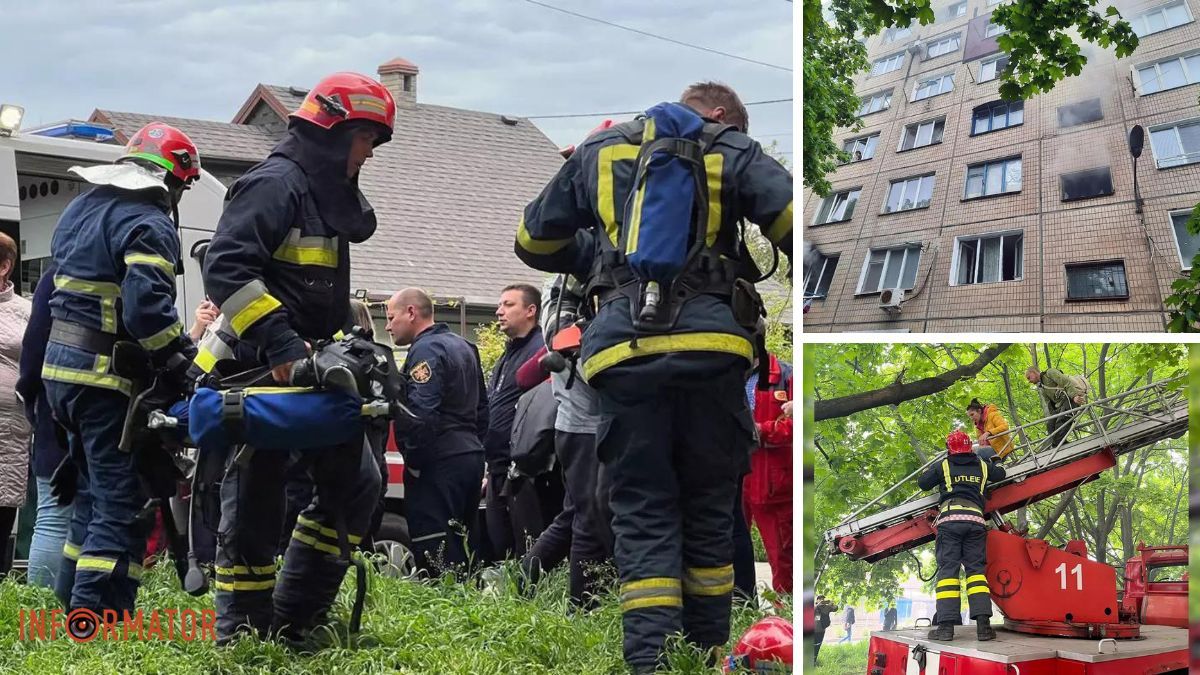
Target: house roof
(448, 191)
(218, 140)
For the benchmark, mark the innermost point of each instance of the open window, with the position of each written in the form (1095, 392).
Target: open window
(1086, 184)
(988, 258)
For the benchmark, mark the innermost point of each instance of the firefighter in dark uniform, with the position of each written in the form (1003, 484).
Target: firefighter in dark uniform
(443, 448)
(117, 253)
(278, 267)
(963, 478)
(675, 430)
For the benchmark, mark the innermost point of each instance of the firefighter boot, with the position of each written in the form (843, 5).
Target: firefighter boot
(944, 632)
(984, 630)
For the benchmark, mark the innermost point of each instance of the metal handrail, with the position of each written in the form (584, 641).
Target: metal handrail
(1157, 392)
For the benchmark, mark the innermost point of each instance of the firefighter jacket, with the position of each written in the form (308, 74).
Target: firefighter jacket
(770, 478)
(447, 394)
(962, 480)
(116, 251)
(278, 265)
(561, 229)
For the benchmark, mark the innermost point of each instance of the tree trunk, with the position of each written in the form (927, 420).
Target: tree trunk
(1012, 408)
(1056, 514)
(899, 392)
(1103, 389)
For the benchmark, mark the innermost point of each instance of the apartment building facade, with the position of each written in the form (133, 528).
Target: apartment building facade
(962, 212)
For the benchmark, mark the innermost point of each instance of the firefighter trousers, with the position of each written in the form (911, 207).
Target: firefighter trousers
(677, 449)
(248, 594)
(441, 501)
(102, 555)
(961, 544)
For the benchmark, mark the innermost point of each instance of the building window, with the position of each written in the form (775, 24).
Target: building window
(1177, 144)
(933, 86)
(1097, 281)
(909, 193)
(875, 102)
(997, 115)
(956, 10)
(861, 148)
(941, 47)
(993, 178)
(896, 33)
(1169, 74)
(1161, 18)
(890, 268)
(1086, 184)
(991, 68)
(837, 207)
(1080, 113)
(992, 3)
(887, 64)
(988, 259)
(1188, 244)
(922, 134)
(994, 29)
(819, 275)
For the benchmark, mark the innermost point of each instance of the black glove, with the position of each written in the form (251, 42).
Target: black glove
(65, 482)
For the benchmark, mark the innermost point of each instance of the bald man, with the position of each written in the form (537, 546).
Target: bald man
(443, 449)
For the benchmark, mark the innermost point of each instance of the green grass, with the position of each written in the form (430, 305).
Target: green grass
(427, 628)
(847, 659)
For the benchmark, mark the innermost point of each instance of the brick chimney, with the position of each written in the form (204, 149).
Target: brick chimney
(400, 77)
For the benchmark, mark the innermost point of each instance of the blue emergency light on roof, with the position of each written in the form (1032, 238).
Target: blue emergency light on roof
(81, 130)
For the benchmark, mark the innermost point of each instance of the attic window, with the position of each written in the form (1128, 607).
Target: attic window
(1086, 184)
(408, 81)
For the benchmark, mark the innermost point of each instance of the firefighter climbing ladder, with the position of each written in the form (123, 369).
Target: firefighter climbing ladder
(1103, 430)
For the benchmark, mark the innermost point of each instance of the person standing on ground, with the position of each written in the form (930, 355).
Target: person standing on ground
(822, 609)
(14, 427)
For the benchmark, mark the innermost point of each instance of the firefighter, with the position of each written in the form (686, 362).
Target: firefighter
(443, 449)
(963, 478)
(117, 253)
(278, 267)
(675, 430)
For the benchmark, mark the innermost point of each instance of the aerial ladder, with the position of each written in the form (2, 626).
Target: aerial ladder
(1046, 593)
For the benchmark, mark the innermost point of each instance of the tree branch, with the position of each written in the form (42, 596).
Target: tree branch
(899, 392)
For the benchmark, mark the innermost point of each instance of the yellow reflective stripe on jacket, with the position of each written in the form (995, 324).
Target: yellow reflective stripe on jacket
(86, 377)
(312, 250)
(98, 564)
(948, 594)
(946, 583)
(963, 507)
(152, 260)
(205, 360)
(605, 189)
(946, 474)
(249, 304)
(664, 344)
(106, 292)
(313, 542)
(327, 531)
(244, 585)
(782, 227)
(539, 246)
(71, 551)
(708, 580)
(242, 569)
(634, 226)
(163, 337)
(652, 592)
(983, 482)
(714, 165)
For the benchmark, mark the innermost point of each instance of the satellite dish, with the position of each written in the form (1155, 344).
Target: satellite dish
(1137, 138)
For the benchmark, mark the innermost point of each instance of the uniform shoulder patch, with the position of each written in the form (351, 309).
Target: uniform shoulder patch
(780, 395)
(420, 373)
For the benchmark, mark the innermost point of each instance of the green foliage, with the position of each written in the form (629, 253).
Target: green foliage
(490, 340)
(440, 627)
(859, 456)
(1039, 41)
(1184, 301)
(846, 659)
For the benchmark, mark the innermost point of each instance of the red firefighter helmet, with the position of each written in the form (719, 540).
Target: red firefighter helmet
(766, 647)
(165, 146)
(958, 443)
(342, 97)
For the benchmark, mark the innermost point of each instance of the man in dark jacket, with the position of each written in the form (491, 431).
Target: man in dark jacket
(511, 518)
(443, 448)
(821, 610)
(278, 267)
(962, 478)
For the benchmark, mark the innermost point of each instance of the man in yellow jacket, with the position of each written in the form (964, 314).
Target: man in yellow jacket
(992, 428)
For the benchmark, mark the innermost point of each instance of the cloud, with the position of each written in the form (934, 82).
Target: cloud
(63, 59)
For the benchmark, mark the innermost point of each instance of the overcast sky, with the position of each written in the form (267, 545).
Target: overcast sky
(63, 58)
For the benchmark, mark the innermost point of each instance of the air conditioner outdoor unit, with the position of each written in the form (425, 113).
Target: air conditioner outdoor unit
(890, 299)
